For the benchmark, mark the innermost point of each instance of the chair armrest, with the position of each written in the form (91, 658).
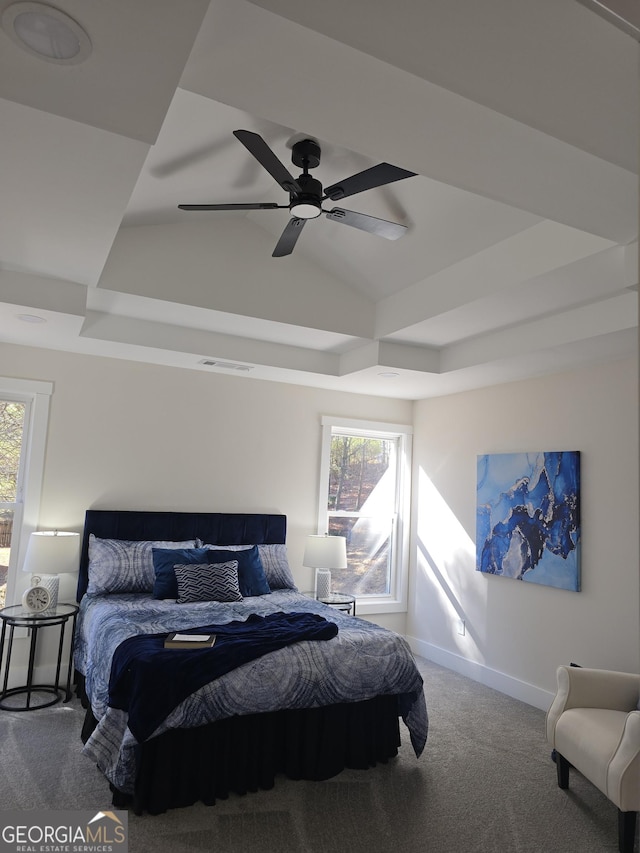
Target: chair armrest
(624, 770)
(579, 687)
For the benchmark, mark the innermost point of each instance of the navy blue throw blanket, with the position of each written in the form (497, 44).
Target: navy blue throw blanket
(149, 681)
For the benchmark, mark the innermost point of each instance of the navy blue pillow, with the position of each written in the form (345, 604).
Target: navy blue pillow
(251, 577)
(165, 584)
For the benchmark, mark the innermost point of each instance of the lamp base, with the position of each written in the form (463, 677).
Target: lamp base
(323, 583)
(52, 583)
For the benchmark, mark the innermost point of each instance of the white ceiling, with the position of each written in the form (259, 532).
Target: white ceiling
(520, 259)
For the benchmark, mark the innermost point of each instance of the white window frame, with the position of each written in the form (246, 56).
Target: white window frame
(396, 600)
(36, 396)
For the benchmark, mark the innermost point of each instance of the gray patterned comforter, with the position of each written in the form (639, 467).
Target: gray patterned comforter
(362, 661)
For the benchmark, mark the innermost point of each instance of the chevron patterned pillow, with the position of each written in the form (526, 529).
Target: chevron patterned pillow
(214, 582)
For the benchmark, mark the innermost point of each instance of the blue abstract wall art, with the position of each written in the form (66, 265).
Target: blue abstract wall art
(528, 517)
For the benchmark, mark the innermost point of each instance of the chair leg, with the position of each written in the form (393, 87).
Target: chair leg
(562, 768)
(626, 831)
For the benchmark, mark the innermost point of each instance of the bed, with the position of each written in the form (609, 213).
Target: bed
(308, 709)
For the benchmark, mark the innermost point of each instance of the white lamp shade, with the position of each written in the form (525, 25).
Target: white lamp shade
(327, 552)
(52, 552)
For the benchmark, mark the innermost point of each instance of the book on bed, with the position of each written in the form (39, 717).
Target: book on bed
(176, 640)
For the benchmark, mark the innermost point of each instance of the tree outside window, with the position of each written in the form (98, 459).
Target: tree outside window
(12, 419)
(364, 492)
(361, 507)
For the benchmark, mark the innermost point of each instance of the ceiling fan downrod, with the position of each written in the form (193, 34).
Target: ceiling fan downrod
(308, 203)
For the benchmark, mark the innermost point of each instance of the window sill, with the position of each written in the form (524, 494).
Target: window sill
(369, 607)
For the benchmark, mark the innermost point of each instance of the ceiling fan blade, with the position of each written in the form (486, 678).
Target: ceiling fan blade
(376, 176)
(289, 237)
(259, 205)
(371, 224)
(256, 145)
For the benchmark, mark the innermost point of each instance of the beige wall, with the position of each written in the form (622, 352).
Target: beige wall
(517, 633)
(127, 435)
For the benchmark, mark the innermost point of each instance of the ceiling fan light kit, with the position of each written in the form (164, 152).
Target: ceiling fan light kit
(306, 194)
(307, 204)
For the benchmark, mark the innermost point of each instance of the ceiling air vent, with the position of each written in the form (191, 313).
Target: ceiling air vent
(227, 365)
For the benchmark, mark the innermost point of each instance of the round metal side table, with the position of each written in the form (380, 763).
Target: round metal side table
(16, 616)
(341, 601)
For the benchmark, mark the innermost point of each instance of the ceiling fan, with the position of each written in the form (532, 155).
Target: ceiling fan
(306, 194)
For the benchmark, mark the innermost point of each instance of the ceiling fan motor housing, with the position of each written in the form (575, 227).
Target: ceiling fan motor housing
(306, 154)
(308, 203)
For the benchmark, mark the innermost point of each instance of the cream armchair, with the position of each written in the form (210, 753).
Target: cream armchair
(593, 725)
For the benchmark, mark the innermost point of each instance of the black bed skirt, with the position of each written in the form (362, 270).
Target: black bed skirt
(244, 754)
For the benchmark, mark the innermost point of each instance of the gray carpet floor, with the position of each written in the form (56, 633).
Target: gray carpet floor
(485, 784)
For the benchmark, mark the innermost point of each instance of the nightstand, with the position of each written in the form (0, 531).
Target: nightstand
(340, 601)
(17, 616)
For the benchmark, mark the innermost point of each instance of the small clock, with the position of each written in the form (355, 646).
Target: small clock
(37, 598)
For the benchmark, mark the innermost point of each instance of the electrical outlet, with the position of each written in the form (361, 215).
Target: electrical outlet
(461, 627)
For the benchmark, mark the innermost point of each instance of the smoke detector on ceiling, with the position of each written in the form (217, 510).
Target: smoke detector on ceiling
(46, 32)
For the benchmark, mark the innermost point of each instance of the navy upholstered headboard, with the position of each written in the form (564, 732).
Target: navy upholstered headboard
(214, 528)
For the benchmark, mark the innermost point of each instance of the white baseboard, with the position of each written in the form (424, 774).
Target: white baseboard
(507, 684)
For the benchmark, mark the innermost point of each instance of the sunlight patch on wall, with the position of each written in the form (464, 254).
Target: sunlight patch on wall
(446, 562)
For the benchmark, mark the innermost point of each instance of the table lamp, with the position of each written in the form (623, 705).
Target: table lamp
(324, 553)
(50, 553)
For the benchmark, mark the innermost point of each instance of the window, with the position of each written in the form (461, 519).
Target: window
(12, 416)
(24, 409)
(364, 496)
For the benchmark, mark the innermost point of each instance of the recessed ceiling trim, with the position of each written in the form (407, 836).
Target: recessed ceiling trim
(46, 32)
(621, 13)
